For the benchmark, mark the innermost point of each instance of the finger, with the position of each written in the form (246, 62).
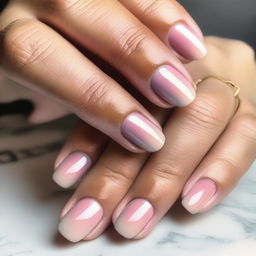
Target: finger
(109, 30)
(89, 210)
(172, 24)
(162, 178)
(81, 149)
(101, 189)
(225, 163)
(32, 53)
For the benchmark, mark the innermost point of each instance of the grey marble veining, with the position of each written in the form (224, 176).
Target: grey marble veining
(30, 204)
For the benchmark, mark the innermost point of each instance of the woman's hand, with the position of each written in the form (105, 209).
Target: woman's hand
(45, 45)
(209, 145)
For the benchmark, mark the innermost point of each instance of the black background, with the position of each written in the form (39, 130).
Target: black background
(227, 18)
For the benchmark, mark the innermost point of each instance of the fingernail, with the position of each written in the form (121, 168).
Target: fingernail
(81, 220)
(139, 130)
(71, 169)
(172, 86)
(185, 42)
(200, 194)
(134, 218)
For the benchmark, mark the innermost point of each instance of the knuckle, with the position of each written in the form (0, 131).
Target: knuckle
(131, 40)
(61, 6)
(169, 170)
(91, 91)
(117, 175)
(152, 6)
(23, 44)
(246, 126)
(204, 112)
(226, 162)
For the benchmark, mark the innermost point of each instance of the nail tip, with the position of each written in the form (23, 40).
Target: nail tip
(122, 233)
(158, 147)
(58, 181)
(187, 209)
(187, 103)
(200, 55)
(66, 234)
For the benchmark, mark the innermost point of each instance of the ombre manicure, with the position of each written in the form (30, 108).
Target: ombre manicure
(81, 220)
(172, 86)
(200, 194)
(134, 218)
(185, 42)
(143, 133)
(72, 168)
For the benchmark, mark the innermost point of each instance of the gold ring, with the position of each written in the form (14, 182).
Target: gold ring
(231, 84)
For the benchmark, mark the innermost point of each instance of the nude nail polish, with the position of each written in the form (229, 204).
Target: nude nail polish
(71, 169)
(81, 220)
(142, 132)
(172, 86)
(134, 218)
(186, 42)
(199, 195)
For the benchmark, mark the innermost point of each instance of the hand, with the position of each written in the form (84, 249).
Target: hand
(45, 45)
(210, 145)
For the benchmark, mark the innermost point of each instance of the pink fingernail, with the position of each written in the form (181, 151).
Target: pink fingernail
(142, 132)
(172, 86)
(200, 194)
(71, 169)
(185, 42)
(81, 220)
(134, 218)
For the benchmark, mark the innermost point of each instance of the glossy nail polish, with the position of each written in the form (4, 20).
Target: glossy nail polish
(72, 168)
(143, 133)
(185, 42)
(134, 218)
(172, 86)
(199, 195)
(81, 220)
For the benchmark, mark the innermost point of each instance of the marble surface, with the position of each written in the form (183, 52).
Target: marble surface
(30, 204)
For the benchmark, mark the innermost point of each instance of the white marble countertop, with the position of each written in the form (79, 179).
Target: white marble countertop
(30, 204)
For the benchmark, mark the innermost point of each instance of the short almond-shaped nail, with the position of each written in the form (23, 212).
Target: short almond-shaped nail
(142, 132)
(134, 218)
(71, 169)
(81, 220)
(200, 194)
(172, 86)
(185, 42)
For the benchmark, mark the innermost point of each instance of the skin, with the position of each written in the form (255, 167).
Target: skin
(225, 131)
(35, 34)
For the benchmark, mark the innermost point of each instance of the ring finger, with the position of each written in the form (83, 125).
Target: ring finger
(190, 134)
(224, 164)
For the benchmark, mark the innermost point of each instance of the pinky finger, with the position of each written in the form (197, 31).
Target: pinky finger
(81, 149)
(225, 163)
